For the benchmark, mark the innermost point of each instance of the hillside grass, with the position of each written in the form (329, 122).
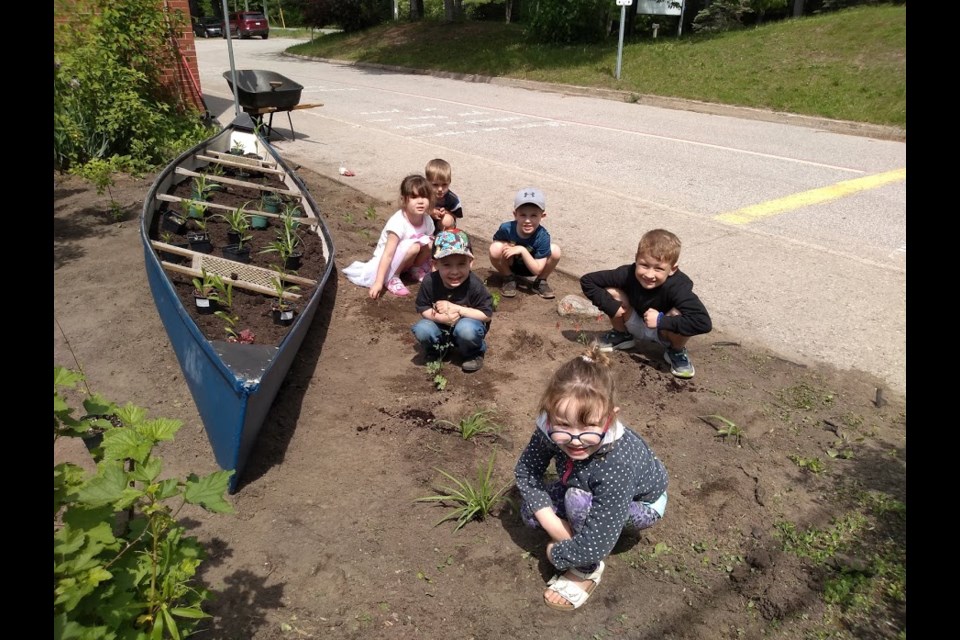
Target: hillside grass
(848, 65)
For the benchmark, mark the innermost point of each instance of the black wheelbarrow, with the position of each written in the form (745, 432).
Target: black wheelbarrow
(261, 92)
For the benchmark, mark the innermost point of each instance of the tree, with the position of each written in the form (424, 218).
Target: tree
(416, 10)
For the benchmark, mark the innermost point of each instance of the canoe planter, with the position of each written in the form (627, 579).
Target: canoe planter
(233, 382)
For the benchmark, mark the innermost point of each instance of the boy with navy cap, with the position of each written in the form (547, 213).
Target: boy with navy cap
(522, 248)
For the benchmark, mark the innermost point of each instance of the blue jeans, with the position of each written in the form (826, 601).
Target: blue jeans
(467, 336)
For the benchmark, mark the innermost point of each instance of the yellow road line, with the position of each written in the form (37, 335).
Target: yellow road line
(807, 198)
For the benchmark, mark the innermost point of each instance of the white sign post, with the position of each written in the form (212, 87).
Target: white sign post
(623, 4)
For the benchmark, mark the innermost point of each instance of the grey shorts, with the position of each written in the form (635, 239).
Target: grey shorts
(641, 331)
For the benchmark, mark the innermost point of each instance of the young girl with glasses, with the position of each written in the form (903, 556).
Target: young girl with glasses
(608, 478)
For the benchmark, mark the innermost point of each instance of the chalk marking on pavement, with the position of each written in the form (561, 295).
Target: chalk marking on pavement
(811, 197)
(626, 131)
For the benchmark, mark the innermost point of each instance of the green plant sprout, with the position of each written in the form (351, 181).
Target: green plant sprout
(206, 285)
(123, 564)
(727, 431)
(201, 187)
(166, 237)
(239, 221)
(370, 213)
(475, 424)
(196, 211)
(476, 501)
(495, 296)
(281, 287)
(813, 465)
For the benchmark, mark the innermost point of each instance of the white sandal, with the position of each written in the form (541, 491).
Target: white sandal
(575, 595)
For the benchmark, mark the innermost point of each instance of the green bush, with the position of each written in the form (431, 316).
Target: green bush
(122, 567)
(568, 21)
(108, 97)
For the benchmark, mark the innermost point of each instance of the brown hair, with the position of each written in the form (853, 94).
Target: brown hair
(661, 245)
(415, 186)
(587, 379)
(438, 170)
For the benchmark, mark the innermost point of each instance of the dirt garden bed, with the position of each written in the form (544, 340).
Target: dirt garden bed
(794, 526)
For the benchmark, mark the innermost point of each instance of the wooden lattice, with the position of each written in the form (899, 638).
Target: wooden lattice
(243, 276)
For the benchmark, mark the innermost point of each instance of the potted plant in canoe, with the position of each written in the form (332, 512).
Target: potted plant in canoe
(239, 222)
(205, 291)
(199, 240)
(203, 188)
(282, 310)
(196, 209)
(167, 238)
(173, 222)
(224, 299)
(287, 245)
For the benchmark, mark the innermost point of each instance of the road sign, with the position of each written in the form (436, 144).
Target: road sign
(624, 3)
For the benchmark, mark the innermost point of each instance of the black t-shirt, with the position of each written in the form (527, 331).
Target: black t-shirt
(472, 293)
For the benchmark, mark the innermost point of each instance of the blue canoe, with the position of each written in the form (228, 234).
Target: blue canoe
(233, 385)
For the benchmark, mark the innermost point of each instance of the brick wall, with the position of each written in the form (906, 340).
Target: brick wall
(181, 75)
(184, 76)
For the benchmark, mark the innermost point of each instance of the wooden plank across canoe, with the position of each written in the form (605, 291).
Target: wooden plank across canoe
(229, 160)
(307, 220)
(243, 160)
(238, 183)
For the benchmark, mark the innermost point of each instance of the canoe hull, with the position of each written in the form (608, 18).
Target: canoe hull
(233, 385)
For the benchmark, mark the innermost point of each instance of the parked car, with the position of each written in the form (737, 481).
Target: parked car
(208, 27)
(244, 24)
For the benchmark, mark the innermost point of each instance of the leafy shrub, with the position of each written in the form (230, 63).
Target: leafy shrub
(122, 567)
(108, 97)
(349, 15)
(568, 21)
(722, 15)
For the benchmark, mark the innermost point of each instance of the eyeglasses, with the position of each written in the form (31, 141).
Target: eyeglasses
(587, 438)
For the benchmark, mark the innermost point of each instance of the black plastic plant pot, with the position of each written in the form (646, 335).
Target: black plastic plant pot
(283, 316)
(174, 223)
(174, 258)
(205, 306)
(233, 237)
(294, 260)
(200, 242)
(234, 252)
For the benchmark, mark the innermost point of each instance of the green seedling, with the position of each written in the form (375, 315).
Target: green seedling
(813, 465)
(475, 501)
(476, 424)
(370, 213)
(239, 222)
(729, 430)
(206, 285)
(495, 295)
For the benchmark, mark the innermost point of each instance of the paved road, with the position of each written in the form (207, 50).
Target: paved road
(795, 236)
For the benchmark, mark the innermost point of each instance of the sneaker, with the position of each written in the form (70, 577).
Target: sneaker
(543, 289)
(396, 287)
(509, 287)
(619, 340)
(679, 362)
(473, 364)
